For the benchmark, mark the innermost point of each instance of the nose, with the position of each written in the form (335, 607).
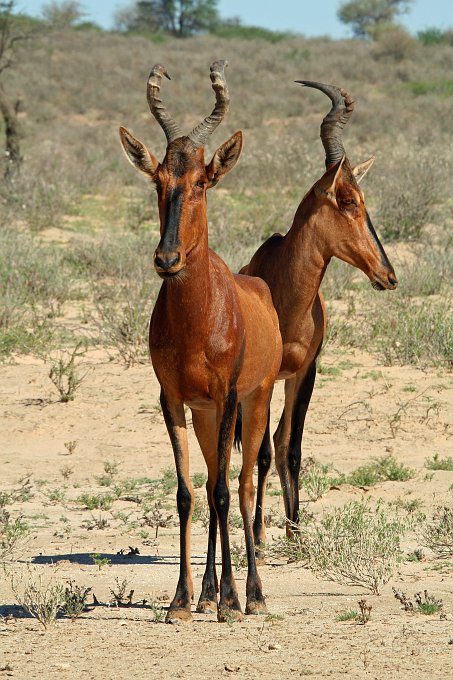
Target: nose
(165, 261)
(393, 281)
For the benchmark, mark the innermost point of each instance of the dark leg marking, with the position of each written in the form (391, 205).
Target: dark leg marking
(264, 464)
(221, 497)
(300, 408)
(183, 595)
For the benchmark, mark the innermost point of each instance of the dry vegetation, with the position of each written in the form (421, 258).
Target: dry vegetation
(96, 512)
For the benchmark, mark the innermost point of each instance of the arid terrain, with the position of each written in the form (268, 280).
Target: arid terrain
(88, 484)
(115, 418)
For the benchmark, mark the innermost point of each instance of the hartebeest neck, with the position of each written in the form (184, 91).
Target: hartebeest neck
(306, 255)
(188, 297)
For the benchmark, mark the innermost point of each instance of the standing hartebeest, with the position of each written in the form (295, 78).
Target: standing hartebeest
(331, 221)
(214, 339)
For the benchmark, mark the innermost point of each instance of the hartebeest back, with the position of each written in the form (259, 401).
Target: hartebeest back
(214, 339)
(331, 221)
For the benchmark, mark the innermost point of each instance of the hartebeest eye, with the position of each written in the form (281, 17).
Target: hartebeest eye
(200, 183)
(348, 204)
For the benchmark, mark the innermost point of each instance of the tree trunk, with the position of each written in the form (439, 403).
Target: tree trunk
(12, 146)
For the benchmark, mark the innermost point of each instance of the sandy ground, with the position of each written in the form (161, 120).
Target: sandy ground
(365, 410)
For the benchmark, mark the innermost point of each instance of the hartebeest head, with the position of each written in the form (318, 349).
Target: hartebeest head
(347, 226)
(183, 177)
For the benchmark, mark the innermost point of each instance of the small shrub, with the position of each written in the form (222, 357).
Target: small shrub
(438, 533)
(156, 517)
(42, 600)
(356, 544)
(12, 533)
(385, 468)
(349, 615)
(427, 604)
(74, 600)
(118, 593)
(93, 522)
(199, 479)
(100, 561)
(314, 480)
(437, 463)
(201, 512)
(64, 375)
(168, 481)
(97, 501)
(157, 612)
(56, 495)
(238, 556)
(70, 447)
(66, 471)
(234, 472)
(424, 603)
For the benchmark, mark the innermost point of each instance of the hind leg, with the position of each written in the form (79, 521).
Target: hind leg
(281, 444)
(304, 391)
(264, 464)
(255, 420)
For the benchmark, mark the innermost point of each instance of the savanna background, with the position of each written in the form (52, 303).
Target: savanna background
(88, 521)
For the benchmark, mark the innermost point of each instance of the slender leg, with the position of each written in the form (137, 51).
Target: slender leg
(264, 464)
(229, 607)
(255, 419)
(303, 395)
(204, 423)
(281, 442)
(176, 425)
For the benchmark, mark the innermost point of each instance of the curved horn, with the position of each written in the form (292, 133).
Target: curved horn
(200, 134)
(336, 119)
(168, 125)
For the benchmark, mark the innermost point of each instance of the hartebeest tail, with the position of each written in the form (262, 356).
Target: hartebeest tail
(214, 339)
(331, 221)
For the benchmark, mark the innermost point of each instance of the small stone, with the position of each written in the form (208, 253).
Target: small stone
(274, 645)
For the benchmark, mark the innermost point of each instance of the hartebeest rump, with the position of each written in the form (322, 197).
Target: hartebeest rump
(214, 339)
(331, 221)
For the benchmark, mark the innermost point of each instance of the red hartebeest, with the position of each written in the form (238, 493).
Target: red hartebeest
(214, 339)
(331, 221)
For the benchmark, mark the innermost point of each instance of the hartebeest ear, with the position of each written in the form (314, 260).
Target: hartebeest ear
(138, 154)
(359, 171)
(326, 186)
(224, 159)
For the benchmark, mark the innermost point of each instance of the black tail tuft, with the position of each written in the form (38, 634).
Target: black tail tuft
(237, 441)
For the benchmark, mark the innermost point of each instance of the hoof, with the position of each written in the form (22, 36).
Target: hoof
(206, 607)
(255, 608)
(226, 614)
(176, 616)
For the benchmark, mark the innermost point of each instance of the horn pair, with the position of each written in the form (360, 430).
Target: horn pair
(200, 134)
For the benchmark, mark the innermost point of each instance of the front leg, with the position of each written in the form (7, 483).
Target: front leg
(229, 607)
(254, 424)
(175, 421)
(204, 424)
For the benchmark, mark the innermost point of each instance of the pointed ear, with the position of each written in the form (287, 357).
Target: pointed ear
(224, 159)
(359, 171)
(138, 154)
(327, 184)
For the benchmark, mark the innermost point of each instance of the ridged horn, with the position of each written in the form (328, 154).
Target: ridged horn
(336, 119)
(168, 125)
(200, 134)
